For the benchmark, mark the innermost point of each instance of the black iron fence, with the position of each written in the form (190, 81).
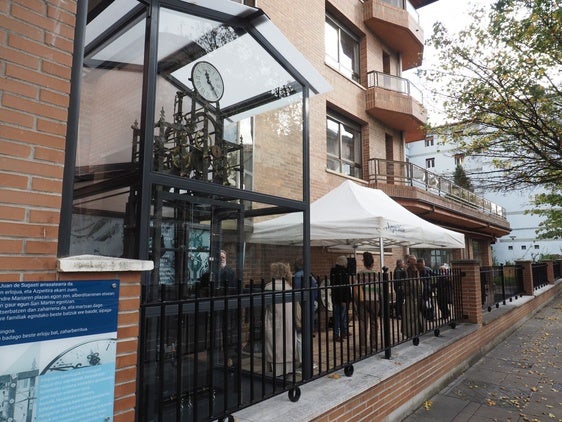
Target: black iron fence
(215, 352)
(500, 284)
(540, 274)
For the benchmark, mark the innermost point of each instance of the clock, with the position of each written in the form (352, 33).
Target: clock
(207, 81)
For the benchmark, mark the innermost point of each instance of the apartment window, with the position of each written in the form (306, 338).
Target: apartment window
(343, 145)
(429, 163)
(510, 248)
(536, 246)
(342, 49)
(429, 141)
(459, 159)
(523, 247)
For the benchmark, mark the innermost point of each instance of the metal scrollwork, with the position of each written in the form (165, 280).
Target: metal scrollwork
(193, 145)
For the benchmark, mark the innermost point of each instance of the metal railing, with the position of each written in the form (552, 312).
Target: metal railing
(500, 284)
(400, 172)
(540, 274)
(212, 353)
(394, 83)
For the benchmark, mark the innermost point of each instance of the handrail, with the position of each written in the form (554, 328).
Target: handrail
(393, 83)
(389, 171)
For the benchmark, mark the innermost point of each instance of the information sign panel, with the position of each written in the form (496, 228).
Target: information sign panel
(58, 348)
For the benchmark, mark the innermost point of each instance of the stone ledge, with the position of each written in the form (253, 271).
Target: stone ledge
(325, 393)
(101, 264)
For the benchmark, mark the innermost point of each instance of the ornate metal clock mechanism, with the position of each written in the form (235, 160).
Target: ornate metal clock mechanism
(193, 145)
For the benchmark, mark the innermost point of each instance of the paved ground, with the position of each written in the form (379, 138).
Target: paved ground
(519, 380)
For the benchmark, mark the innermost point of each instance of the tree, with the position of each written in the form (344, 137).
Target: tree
(460, 178)
(549, 205)
(501, 79)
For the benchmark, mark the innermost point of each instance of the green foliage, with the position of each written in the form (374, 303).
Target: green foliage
(501, 79)
(549, 206)
(460, 178)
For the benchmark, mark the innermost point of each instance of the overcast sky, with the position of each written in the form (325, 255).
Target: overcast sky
(454, 15)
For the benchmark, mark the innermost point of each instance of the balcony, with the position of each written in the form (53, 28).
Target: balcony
(437, 198)
(396, 102)
(396, 24)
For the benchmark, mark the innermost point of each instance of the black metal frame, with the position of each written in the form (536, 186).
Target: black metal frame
(147, 179)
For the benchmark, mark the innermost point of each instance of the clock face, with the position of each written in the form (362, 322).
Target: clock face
(207, 81)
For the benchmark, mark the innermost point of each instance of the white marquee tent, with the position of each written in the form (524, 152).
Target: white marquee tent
(357, 217)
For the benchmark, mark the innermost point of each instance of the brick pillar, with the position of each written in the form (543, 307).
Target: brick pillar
(549, 271)
(527, 276)
(558, 265)
(129, 273)
(471, 290)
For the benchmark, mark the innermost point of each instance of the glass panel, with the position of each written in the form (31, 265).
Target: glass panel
(98, 224)
(348, 145)
(348, 58)
(333, 164)
(331, 42)
(222, 138)
(108, 136)
(206, 252)
(333, 140)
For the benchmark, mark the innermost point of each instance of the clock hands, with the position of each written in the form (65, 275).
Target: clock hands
(210, 83)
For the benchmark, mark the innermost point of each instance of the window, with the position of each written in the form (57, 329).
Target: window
(429, 163)
(459, 159)
(429, 141)
(523, 247)
(343, 145)
(510, 248)
(537, 247)
(342, 49)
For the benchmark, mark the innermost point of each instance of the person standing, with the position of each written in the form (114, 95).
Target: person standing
(398, 277)
(367, 304)
(227, 276)
(444, 291)
(231, 316)
(411, 318)
(426, 276)
(341, 296)
(279, 326)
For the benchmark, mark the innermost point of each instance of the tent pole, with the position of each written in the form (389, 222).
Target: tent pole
(381, 249)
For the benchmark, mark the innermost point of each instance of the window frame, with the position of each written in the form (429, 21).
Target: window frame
(430, 163)
(336, 62)
(349, 125)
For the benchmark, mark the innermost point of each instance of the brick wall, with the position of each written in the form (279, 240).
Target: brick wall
(36, 57)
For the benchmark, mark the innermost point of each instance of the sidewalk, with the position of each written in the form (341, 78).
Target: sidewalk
(518, 380)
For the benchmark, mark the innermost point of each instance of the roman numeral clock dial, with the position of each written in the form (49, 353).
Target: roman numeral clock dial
(207, 81)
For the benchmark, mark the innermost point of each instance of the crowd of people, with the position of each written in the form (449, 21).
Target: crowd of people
(416, 288)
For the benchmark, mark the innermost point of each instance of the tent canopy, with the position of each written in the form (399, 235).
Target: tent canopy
(358, 217)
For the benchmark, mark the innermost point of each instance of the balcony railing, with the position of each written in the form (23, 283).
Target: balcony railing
(394, 83)
(406, 5)
(387, 171)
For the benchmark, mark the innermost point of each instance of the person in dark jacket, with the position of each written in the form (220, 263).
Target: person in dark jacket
(426, 277)
(341, 296)
(399, 275)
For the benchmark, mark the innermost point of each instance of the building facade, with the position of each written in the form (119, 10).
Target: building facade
(521, 243)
